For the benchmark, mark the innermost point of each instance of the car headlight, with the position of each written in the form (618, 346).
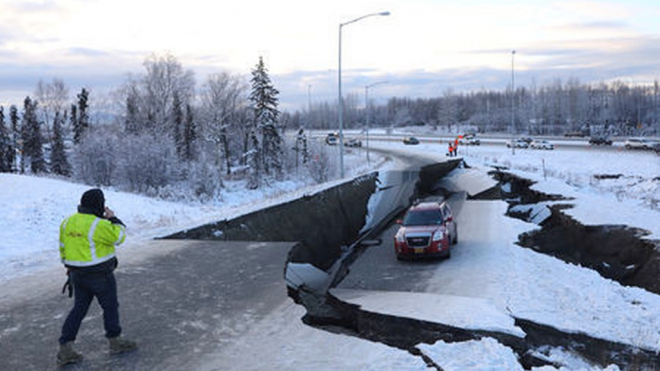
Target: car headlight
(438, 236)
(399, 237)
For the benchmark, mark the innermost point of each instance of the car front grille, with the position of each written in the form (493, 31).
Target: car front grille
(418, 241)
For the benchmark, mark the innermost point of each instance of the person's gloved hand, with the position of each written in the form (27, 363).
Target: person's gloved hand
(68, 285)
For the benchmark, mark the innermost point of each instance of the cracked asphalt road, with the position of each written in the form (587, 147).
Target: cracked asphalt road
(178, 305)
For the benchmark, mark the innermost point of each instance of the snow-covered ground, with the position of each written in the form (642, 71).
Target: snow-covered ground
(33, 208)
(514, 280)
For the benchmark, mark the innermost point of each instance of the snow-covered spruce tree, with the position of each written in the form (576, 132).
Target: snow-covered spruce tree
(264, 104)
(184, 129)
(82, 122)
(15, 132)
(253, 161)
(132, 119)
(304, 149)
(73, 118)
(189, 135)
(32, 138)
(5, 145)
(59, 162)
(300, 149)
(177, 124)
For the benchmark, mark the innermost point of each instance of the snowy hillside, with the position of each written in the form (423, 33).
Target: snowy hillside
(34, 207)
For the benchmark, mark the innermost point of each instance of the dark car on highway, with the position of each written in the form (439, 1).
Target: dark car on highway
(655, 147)
(410, 140)
(332, 139)
(428, 229)
(600, 140)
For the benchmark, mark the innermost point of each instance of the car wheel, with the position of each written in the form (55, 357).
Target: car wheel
(455, 240)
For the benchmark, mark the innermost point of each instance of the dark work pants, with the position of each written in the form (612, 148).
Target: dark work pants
(86, 286)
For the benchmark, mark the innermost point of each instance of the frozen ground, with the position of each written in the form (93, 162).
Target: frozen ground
(535, 286)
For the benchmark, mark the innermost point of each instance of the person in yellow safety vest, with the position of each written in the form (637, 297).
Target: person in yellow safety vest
(87, 247)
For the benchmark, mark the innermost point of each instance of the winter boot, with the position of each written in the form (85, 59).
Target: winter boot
(119, 345)
(67, 355)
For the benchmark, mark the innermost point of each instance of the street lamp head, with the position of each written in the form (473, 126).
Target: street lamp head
(363, 17)
(376, 83)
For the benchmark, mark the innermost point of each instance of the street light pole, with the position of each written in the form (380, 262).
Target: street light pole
(309, 106)
(340, 100)
(309, 98)
(513, 107)
(366, 107)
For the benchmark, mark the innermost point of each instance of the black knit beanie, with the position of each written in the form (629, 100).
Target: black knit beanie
(93, 201)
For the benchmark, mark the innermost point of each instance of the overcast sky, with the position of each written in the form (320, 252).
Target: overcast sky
(422, 49)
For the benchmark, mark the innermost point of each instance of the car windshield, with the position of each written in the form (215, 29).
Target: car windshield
(422, 217)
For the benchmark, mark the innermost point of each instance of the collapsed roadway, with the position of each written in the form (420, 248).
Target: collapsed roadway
(340, 224)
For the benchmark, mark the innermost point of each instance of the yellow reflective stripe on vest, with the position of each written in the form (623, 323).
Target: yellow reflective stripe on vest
(87, 240)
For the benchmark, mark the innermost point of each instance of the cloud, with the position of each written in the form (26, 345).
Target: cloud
(87, 52)
(606, 60)
(423, 48)
(607, 25)
(589, 61)
(32, 6)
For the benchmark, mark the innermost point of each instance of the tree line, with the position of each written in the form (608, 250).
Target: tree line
(616, 108)
(170, 138)
(27, 145)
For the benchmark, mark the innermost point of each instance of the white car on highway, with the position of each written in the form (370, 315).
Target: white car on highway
(517, 143)
(638, 143)
(541, 144)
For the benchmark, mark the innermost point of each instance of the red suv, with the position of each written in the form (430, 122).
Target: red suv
(427, 230)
